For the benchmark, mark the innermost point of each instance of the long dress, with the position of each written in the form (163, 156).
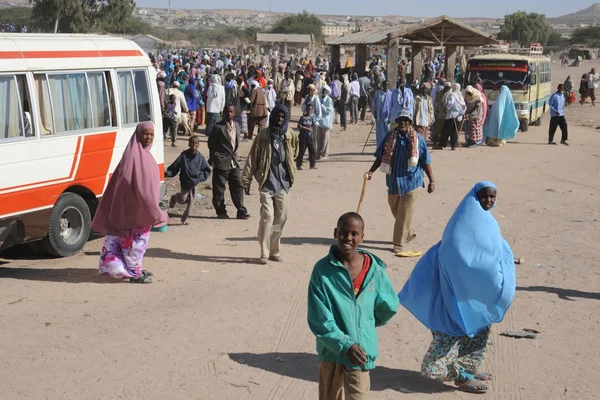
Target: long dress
(460, 287)
(382, 104)
(502, 122)
(128, 210)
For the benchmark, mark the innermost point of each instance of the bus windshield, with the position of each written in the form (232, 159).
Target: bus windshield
(496, 73)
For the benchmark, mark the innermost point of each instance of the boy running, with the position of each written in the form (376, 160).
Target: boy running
(349, 295)
(192, 169)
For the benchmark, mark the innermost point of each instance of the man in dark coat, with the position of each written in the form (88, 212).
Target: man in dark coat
(223, 144)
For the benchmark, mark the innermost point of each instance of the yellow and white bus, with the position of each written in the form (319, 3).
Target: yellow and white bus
(68, 107)
(526, 72)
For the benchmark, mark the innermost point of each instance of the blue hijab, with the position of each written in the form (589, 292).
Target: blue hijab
(467, 281)
(502, 121)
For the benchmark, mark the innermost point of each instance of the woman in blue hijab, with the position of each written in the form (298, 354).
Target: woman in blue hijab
(460, 287)
(502, 122)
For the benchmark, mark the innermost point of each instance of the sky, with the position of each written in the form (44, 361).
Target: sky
(432, 8)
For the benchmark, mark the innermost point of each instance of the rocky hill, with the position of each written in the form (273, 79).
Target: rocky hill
(589, 15)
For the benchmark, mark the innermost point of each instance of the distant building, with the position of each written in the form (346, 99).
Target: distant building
(149, 43)
(336, 30)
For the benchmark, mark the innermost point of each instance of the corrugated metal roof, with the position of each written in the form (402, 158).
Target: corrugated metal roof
(370, 36)
(433, 30)
(283, 37)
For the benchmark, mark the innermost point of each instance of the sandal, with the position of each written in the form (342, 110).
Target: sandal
(141, 279)
(147, 273)
(472, 386)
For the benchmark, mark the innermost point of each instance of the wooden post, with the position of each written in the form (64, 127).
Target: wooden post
(361, 59)
(392, 62)
(450, 62)
(335, 57)
(417, 61)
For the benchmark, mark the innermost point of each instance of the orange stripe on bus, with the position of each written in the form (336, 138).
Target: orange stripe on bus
(73, 164)
(69, 54)
(91, 173)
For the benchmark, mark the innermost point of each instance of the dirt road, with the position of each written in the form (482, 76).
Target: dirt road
(216, 326)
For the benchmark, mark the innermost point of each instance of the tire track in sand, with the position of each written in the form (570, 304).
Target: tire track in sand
(277, 387)
(503, 360)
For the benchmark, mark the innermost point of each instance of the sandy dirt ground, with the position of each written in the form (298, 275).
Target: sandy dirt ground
(214, 325)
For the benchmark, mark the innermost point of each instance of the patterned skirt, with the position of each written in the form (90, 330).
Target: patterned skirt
(242, 119)
(121, 257)
(452, 358)
(476, 130)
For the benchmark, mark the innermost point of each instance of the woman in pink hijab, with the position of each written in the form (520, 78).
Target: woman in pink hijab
(129, 208)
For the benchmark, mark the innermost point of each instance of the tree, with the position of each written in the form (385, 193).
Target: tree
(117, 17)
(82, 16)
(525, 28)
(589, 36)
(16, 16)
(70, 16)
(303, 23)
(556, 39)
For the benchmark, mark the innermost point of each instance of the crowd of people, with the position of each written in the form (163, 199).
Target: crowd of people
(349, 293)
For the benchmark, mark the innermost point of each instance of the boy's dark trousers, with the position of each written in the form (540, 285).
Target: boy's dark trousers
(170, 125)
(306, 142)
(220, 179)
(449, 131)
(555, 122)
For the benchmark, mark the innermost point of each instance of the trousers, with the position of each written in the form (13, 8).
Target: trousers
(323, 142)
(337, 380)
(306, 142)
(556, 122)
(403, 208)
(236, 189)
(186, 197)
(273, 216)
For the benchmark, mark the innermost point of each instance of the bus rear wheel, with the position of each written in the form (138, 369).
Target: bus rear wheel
(523, 125)
(69, 226)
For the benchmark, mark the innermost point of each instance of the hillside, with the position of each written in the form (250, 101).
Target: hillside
(588, 15)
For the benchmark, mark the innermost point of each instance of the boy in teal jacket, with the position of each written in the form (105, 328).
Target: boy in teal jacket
(349, 295)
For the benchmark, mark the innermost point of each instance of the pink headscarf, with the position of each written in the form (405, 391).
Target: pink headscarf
(484, 101)
(131, 199)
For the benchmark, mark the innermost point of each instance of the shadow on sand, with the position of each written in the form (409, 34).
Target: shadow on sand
(305, 366)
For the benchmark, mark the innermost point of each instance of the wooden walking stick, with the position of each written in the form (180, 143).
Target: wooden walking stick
(368, 136)
(362, 192)
(462, 125)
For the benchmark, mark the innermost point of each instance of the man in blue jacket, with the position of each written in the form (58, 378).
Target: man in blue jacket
(557, 116)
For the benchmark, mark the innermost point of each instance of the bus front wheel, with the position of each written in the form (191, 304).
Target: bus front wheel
(69, 226)
(523, 125)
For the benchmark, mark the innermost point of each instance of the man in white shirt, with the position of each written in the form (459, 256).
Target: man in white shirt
(180, 107)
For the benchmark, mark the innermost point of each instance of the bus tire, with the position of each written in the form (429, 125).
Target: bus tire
(523, 125)
(69, 226)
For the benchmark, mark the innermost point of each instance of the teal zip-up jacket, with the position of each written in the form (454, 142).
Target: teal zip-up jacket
(339, 319)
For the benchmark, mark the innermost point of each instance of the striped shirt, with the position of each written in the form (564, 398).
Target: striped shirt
(403, 179)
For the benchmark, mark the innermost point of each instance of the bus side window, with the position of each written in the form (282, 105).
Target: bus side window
(70, 100)
(16, 121)
(111, 97)
(142, 95)
(100, 104)
(533, 75)
(135, 97)
(42, 93)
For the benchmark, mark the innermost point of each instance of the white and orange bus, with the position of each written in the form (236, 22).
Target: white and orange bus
(68, 106)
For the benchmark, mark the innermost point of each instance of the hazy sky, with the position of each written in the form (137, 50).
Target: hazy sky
(431, 8)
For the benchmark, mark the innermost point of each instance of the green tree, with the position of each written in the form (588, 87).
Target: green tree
(82, 16)
(556, 39)
(525, 28)
(589, 36)
(67, 16)
(117, 17)
(16, 16)
(303, 23)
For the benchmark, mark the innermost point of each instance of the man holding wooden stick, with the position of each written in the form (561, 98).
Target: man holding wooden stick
(403, 156)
